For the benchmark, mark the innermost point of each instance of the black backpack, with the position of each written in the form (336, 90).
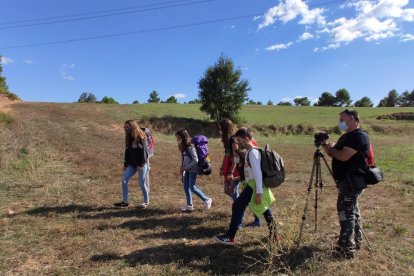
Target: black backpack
(272, 167)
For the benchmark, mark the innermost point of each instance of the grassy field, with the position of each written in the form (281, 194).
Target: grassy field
(60, 171)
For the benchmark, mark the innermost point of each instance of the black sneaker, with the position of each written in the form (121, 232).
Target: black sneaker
(121, 204)
(224, 239)
(342, 253)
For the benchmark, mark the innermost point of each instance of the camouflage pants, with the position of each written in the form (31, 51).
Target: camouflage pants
(349, 218)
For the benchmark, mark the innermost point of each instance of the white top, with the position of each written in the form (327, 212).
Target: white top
(255, 171)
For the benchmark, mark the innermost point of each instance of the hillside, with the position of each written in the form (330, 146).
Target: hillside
(60, 171)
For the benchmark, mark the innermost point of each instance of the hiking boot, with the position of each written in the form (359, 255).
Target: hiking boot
(187, 208)
(357, 245)
(121, 204)
(254, 224)
(340, 252)
(207, 204)
(144, 205)
(224, 239)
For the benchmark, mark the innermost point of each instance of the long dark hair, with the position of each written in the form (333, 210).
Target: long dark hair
(227, 130)
(185, 139)
(243, 133)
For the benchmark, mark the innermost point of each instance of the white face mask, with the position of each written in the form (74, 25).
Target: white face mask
(342, 126)
(236, 159)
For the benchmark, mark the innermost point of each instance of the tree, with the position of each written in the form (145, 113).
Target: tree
(108, 100)
(171, 99)
(364, 102)
(135, 102)
(392, 100)
(302, 101)
(326, 99)
(342, 97)
(285, 103)
(153, 97)
(269, 102)
(251, 102)
(221, 90)
(3, 85)
(195, 101)
(87, 98)
(407, 98)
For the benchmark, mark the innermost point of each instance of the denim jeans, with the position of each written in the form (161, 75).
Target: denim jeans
(238, 209)
(142, 176)
(190, 187)
(235, 193)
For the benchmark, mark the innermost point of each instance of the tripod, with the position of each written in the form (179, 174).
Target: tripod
(317, 175)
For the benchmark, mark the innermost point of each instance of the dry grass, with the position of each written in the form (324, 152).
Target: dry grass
(60, 174)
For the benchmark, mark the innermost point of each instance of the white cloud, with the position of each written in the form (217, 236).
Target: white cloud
(407, 37)
(279, 47)
(286, 99)
(305, 36)
(180, 96)
(66, 68)
(290, 9)
(5, 60)
(28, 61)
(67, 77)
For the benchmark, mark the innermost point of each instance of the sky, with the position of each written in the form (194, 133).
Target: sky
(53, 51)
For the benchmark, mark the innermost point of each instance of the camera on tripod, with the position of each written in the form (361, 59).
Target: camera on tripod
(320, 137)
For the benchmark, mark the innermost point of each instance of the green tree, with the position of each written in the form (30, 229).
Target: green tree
(304, 101)
(407, 98)
(221, 90)
(391, 100)
(3, 85)
(269, 102)
(153, 97)
(364, 102)
(251, 102)
(285, 103)
(171, 99)
(326, 99)
(108, 100)
(87, 98)
(135, 102)
(195, 101)
(342, 97)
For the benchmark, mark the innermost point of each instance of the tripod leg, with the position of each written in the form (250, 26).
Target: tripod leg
(305, 211)
(327, 165)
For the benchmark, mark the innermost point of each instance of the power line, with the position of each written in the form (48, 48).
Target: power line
(147, 30)
(130, 33)
(109, 13)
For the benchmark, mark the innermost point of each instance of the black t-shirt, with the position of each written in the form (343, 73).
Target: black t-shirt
(228, 150)
(357, 140)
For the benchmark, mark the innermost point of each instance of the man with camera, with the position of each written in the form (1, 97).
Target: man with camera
(348, 164)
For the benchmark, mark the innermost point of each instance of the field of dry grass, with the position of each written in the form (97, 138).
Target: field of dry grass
(60, 170)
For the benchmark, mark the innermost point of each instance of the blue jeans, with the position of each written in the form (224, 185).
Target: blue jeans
(238, 209)
(235, 193)
(190, 187)
(142, 176)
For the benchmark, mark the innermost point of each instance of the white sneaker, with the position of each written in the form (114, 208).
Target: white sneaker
(207, 204)
(187, 208)
(144, 205)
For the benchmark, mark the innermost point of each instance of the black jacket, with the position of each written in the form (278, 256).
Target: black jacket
(135, 154)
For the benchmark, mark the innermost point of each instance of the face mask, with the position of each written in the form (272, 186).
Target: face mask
(342, 126)
(128, 130)
(236, 159)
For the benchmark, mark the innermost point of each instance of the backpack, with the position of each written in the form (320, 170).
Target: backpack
(149, 145)
(272, 167)
(204, 161)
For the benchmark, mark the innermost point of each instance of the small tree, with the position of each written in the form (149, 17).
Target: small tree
(171, 99)
(3, 86)
(342, 97)
(195, 101)
(153, 97)
(326, 99)
(269, 102)
(135, 102)
(108, 100)
(87, 98)
(221, 91)
(407, 98)
(285, 103)
(302, 101)
(392, 100)
(364, 102)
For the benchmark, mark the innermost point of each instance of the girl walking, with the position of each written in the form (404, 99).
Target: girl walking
(189, 171)
(135, 161)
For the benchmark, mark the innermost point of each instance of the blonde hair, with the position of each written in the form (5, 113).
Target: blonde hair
(136, 132)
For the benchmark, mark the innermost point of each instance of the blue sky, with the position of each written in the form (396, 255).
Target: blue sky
(285, 49)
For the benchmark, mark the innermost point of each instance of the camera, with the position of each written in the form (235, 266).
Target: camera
(320, 137)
